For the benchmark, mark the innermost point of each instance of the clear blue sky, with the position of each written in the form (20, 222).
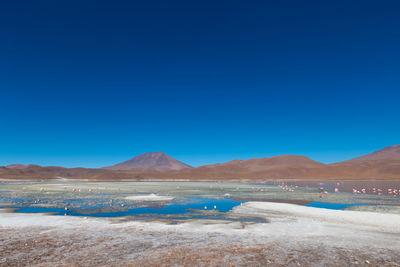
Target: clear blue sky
(92, 83)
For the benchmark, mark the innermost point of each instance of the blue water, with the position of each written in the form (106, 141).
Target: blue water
(332, 206)
(222, 205)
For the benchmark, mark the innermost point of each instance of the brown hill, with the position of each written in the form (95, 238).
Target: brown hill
(285, 166)
(263, 164)
(156, 161)
(391, 153)
(381, 164)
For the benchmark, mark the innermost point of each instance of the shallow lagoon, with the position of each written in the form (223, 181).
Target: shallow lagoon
(194, 208)
(188, 199)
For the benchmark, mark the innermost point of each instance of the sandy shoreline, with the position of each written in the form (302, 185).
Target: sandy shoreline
(296, 236)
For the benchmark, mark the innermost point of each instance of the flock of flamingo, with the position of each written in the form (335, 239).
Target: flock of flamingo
(390, 191)
(287, 188)
(284, 187)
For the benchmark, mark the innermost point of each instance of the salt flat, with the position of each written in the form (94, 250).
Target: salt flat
(295, 236)
(379, 221)
(150, 197)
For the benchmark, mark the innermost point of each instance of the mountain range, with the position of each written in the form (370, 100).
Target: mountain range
(382, 164)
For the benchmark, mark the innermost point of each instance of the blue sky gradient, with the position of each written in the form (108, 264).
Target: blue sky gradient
(93, 83)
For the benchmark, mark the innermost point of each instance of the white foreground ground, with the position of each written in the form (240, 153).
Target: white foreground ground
(296, 236)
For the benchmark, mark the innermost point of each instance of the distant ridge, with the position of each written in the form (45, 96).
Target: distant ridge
(16, 166)
(383, 164)
(155, 161)
(20, 166)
